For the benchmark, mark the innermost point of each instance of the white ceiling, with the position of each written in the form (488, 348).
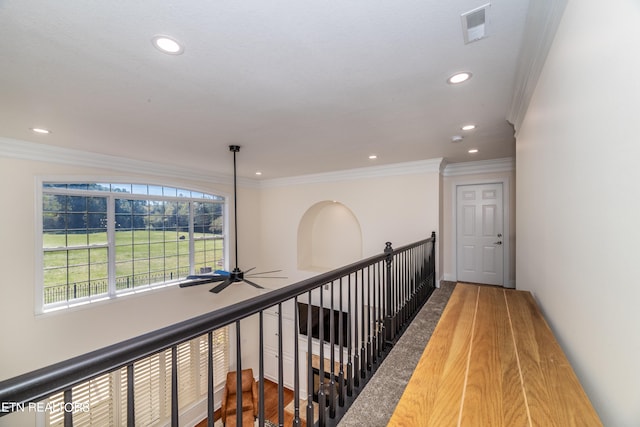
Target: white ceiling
(303, 86)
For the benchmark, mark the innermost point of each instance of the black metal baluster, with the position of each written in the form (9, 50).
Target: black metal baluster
(433, 259)
(399, 284)
(375, 327)
(409, 274)
(356, 336)
(68, 415)
(238, 376)
(131, 406)
(369, 308)
(296, 365)
(373, 316)
(210, 389)
(380, 310)
(309, 362)
(261, 373)
(174, 386)
(332, 359)
(389, 323)
(322, 402)
(341, 349)
(418, 276)
(405, 287)
(349, 339)
(363, 342)
(424, 271)
(280, 370)
(412, 282)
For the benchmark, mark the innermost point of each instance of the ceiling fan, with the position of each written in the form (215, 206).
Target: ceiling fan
(237, 275)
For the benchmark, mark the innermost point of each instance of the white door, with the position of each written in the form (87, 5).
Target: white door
(479, 234)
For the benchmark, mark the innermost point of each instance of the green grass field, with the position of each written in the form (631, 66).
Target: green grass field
(140, 253)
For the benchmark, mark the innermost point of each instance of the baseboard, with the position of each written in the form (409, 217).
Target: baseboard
(449, 277)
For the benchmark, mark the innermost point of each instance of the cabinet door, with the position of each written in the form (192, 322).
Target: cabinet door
(271, 333)
(271, 367)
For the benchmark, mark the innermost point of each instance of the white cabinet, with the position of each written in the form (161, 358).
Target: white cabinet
(271, 367)
(271, 336)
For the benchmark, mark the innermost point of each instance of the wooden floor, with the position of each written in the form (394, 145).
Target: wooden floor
(270, 406)
(493, 361)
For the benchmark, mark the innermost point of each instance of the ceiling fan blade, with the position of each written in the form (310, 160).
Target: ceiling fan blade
(264, 272)
(252, 268)
(199, 280)
(255, 285)
(268, 277)
(222, 286)
(206, 278)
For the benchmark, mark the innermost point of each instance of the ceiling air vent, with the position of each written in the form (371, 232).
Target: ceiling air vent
(474, 24)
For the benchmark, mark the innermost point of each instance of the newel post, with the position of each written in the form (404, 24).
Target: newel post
(390, 318)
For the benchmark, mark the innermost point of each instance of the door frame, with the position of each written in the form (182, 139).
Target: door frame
(506, 224)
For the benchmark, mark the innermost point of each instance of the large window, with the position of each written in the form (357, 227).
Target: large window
(103, 401)
(100, 240)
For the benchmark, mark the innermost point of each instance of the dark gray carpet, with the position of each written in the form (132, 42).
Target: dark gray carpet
(375, 405)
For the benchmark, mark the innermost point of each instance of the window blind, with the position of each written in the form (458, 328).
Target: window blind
(103, 400)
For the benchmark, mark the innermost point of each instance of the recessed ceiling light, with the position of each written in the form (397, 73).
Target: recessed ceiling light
(258, 173)
(167, 45)
(473, 151)
(41, 130)
(468, 127)
(456, 138)
(459, 78)
(373, 157)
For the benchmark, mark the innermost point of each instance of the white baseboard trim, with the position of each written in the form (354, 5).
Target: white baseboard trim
(449, 277)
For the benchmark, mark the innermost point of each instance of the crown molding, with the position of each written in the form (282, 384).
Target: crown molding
(543, 20)
(506, 164)
(25, 150)
(395, 169)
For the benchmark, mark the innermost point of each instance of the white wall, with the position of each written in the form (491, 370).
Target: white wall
(30, 341)
(578, 200)
(400, 209)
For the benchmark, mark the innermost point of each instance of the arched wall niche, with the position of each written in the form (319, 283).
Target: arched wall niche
(329, 236)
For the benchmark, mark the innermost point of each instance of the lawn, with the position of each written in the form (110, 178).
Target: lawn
(141, 257)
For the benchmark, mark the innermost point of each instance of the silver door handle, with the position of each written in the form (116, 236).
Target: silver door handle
(497, 243)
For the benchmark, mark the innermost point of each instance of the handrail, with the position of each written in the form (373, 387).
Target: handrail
(41, 383)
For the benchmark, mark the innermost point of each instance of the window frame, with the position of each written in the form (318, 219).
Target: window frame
(112, 294)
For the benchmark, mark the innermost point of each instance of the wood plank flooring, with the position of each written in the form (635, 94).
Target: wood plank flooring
(493, 361)
(270, 406)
